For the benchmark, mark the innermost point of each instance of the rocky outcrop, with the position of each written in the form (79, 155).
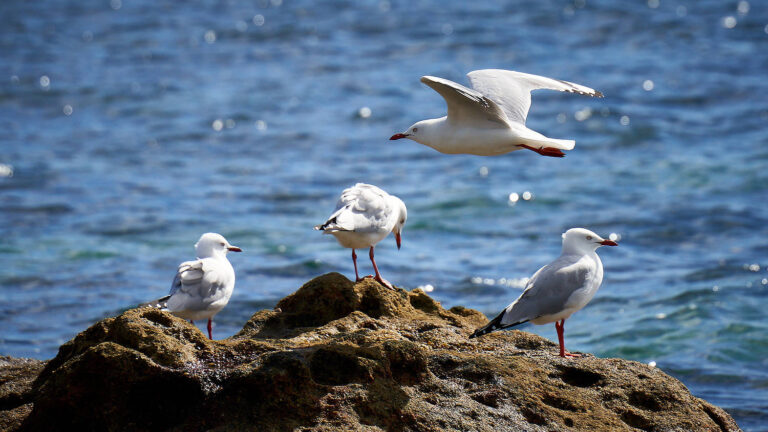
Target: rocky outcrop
(338, 355)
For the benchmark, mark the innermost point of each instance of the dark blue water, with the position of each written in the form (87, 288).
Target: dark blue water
(128, 128)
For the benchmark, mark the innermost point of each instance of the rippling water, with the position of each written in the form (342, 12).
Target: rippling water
(128, 128)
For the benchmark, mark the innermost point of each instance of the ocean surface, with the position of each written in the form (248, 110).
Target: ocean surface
(129, 128)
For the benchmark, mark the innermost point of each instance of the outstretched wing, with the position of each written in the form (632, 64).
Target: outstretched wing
(512, 90)
(466, 105)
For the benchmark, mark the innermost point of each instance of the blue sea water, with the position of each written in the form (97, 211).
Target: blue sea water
(128, 128)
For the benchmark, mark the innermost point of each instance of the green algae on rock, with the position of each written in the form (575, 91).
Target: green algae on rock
(338, 355)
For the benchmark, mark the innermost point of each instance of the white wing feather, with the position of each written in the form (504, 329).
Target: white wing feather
(361, 208)
(512, 90)
(466, 105)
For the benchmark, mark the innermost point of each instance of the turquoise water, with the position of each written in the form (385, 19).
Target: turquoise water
(131, 127)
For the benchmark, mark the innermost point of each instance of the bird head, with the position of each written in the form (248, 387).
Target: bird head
(419, 132)
(213, 244)
(583, 240)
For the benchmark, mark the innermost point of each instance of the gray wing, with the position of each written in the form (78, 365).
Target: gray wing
(512, 90)
(194, 286)
(361, 208)
(466, 105)
(548, 290)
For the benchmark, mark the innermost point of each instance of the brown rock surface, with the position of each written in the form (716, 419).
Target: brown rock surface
(339, 356)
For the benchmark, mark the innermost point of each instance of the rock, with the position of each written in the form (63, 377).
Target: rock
(338, 355)
(16, 377)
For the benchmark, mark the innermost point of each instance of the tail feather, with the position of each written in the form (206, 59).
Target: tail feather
(544, 142)
(493, 325)
(160, 303)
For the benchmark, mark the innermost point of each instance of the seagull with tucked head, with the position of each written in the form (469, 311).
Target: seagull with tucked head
(364, 215)
(489, 119)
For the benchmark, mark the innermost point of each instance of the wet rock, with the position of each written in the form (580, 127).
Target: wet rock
(337, 355)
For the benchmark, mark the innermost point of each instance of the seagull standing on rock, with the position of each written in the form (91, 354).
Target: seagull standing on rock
(558, 289)
(202, 287)
(489, 119)
(364, 215)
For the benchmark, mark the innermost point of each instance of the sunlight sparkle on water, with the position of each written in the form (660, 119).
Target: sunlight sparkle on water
(45, 82)
(67, 109)
(6, 170)
(729, 22)
(647, 85)
(426, 288)
(210, 36)
(653, 4)
(483, 171)
(652, 363)
(519, 283)
(614, 237)
(364, 112)
(217, 125)
(624, 120)
(583, 114)
(743, 7)
(258, 20)
(513, 197)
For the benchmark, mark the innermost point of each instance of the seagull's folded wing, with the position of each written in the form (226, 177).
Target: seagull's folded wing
(512, 90)
(361, 208)
(466, 106)
(194, 285)
(548, 291)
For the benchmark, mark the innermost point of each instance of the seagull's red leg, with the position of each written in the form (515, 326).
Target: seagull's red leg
(354, 261)
(544, 151)
(560, 327)
(210, 321)
(376, 269)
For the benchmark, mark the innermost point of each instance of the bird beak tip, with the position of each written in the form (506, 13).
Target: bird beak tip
(398, 136)
(234, 249)
(397, 240)
(609, 243)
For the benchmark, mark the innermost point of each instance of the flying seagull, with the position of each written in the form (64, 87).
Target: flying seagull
(489, 118)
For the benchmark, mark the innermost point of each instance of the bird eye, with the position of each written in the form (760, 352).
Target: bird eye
(415, 130)
(223, 244)
(589, 237)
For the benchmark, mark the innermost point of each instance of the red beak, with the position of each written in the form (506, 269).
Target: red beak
(609, 243)
(234, 249)
(397, 240)
(398, 136)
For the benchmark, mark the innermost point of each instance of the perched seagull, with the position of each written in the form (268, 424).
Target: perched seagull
(489, 118)
(558, 289)
(202, 287)
(364, 215)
